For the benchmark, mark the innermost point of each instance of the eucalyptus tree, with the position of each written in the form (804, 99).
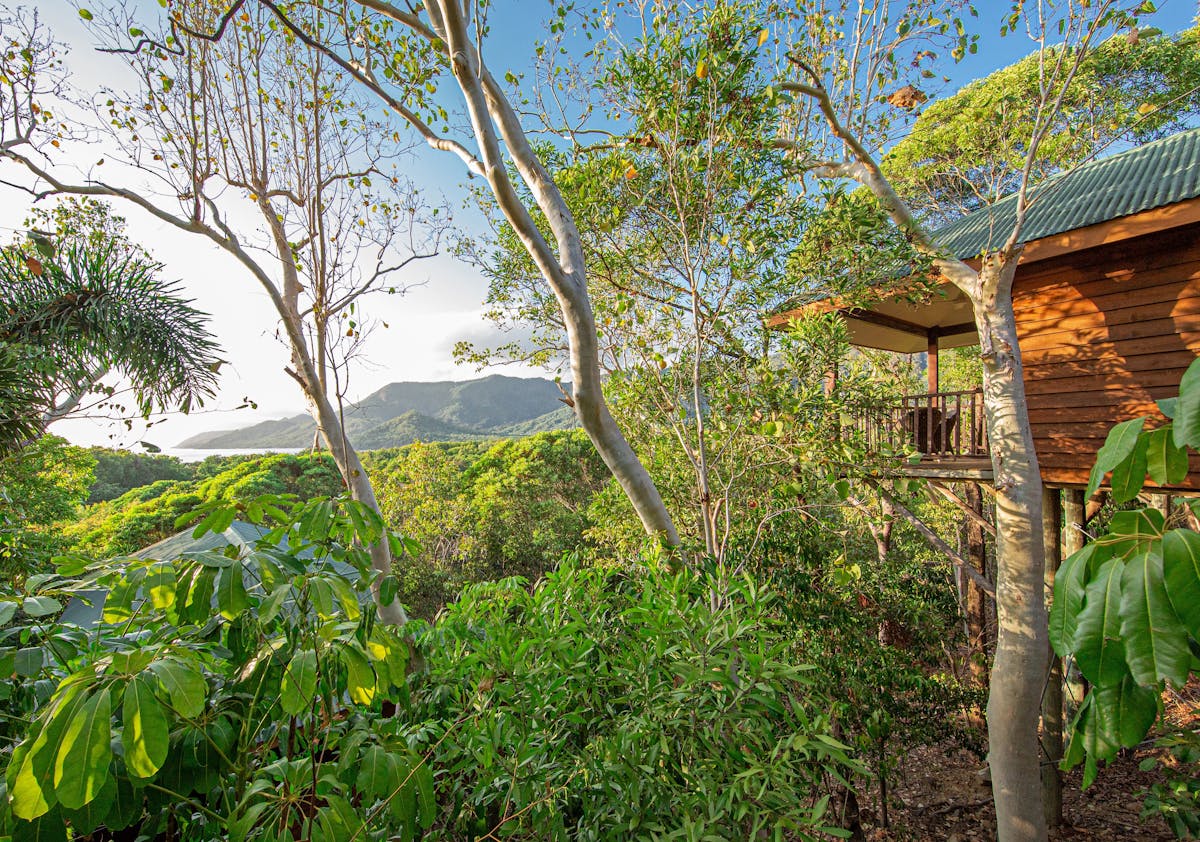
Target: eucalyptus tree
(377, 44)
(1019, 668)
(685, 219)
(254, 123)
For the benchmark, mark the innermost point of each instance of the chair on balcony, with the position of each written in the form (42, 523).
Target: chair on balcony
(930, 430)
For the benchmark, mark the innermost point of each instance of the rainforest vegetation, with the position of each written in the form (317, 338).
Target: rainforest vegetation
(695, 594)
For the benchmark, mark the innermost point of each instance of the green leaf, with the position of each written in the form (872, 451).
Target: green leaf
(84, 755)
(1069, 585)
(299, 683)
(160, 584)
(94, 814)
(28, 662)
(1124, 713)
(231, 592)
(1186, 422)
(30, 773)
(85, 14)
(1099, 651)
(1167, 406)
(1132, 533)
(126, 807)
(40, 606)
(321, 594)
(185, 686)
(270, 606)
(1119, 446)
(389, 587)
(145, 736)
(1129, 476)
(47, 828)
(426, 803)
(1166, 463)
(118, 605)
(1155, 643)
(345, 595)
(1181, 576)
(360, 678)
(8, 610)
(376, 772)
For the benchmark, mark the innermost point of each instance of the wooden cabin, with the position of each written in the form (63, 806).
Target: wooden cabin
(1107, 304)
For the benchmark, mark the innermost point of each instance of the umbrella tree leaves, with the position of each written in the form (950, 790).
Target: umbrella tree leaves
(1127, 606)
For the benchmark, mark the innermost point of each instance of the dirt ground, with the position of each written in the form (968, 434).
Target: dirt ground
(940, 794)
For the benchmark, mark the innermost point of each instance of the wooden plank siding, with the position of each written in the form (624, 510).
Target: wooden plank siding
(1104, 333)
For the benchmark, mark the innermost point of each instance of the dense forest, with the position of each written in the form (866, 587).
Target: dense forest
(858, 500)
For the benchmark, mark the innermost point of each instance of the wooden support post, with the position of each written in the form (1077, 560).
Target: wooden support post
(1052, 696)
(977, 600)
(1075, 518)
(931, 366)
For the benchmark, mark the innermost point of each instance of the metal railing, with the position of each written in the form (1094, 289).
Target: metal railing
(942, 425)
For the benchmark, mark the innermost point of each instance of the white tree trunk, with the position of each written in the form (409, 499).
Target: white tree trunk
(1019, 669)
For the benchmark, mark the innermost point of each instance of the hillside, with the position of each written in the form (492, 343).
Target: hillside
(401, 413)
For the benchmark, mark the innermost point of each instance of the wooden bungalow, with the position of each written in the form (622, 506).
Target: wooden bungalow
(1107, 304)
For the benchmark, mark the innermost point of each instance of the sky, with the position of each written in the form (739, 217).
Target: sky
(443, 305)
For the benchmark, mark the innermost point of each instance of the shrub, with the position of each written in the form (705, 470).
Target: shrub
(622, 706)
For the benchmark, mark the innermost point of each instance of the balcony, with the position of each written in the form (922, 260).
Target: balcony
(940, 435)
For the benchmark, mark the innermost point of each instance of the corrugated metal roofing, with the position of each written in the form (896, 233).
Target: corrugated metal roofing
(1150, 176)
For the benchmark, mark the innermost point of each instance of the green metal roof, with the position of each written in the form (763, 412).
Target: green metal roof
(1150, 176)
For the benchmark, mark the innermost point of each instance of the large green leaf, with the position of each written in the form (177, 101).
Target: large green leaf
(47, 828)
(231, 592)
(1123, 715)
(196, 607)
(85, 752)
(1181, 576)
(1099, 651)
(1155, 643)
(377, 773)
(184, 685)
(345, 595)
(95, 813)
(1132, 533)
(1129, 475)
(160, 584)
(426, 802)
(1166, 463)
(1069, 589)
(1187, 408)
(299, 682)
(126, 806)
(1119, 446)
(145, 735)
(40, 606)
(30, 773)
(118, 605)
(360, 678)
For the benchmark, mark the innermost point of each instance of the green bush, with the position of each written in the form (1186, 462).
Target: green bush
(255, 697)
(625, 706)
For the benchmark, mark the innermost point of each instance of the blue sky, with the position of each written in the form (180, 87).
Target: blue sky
(425, 323)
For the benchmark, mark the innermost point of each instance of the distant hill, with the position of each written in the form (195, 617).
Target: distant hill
(401, 413)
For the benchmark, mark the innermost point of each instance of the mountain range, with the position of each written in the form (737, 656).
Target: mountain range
(401, 413)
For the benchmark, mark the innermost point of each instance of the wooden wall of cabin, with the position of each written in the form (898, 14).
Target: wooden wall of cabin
(1104, 333)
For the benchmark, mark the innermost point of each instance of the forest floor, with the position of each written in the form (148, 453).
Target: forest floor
(941, 794)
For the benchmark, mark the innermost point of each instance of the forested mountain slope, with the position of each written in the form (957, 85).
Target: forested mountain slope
(401, 413)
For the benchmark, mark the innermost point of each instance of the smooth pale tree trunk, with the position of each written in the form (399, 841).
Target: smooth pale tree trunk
(1019, 668)
(308, 374)
(1052, 697)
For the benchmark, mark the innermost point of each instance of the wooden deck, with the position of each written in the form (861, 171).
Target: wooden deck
(945, 429)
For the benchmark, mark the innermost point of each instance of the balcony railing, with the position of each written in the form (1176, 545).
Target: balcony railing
(942, 425)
